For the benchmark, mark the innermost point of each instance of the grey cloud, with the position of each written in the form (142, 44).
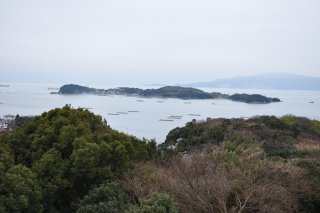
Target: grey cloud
(171, 41)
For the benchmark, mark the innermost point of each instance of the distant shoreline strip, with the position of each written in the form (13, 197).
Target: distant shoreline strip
(194, 114)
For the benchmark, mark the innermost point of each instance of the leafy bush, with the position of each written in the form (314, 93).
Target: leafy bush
(290, 120)
(273, 122)
(316, 126)
(216, 134)
(19, 190)
(156, 203)
(108, 197)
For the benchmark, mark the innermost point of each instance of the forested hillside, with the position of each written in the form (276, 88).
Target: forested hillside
(70, 160)
(263, 164)
(50, 163)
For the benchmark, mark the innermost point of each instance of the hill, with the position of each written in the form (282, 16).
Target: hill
(286, 131)
(51, 162)
(263, 164)
(70, 160)
(280, 81)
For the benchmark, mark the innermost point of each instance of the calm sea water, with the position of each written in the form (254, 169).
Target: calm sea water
(26, 99)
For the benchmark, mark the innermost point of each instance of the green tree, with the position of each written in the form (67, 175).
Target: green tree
(19, 190)
(70, 151)
(156, 203)
(6, 157)
(106, 198)
(52, 172)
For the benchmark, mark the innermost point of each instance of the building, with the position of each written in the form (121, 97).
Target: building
(9, 117)
(3, 124)
(6, 123)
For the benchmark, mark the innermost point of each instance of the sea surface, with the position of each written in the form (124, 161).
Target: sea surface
(147, 117)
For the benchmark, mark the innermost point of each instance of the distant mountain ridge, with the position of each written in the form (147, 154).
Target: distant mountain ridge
(281, 81)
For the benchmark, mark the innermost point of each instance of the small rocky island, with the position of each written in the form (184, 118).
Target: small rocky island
(166, 92)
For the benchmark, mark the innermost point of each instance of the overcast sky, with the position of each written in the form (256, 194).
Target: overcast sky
(163, 41)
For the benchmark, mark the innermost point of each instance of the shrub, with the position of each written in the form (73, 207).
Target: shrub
(109, 197)
(156, 203)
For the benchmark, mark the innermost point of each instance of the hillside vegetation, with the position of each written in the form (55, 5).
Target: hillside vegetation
(263, 164)
(52, 161)
(70, 160)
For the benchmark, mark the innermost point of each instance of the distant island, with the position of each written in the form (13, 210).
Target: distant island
(279, 81)
(165, 92)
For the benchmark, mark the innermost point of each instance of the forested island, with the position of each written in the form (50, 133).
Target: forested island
(70, 160)
(166, 92)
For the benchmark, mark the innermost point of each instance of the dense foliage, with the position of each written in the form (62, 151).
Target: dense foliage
(177, 92)
(157, 202)
(75, 89)
(109, 197)
(254, 98)
(273, 134)
(69, 160)
(259, 164)
(52, 161)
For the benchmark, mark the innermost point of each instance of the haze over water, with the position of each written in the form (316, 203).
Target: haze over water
(34, 99)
